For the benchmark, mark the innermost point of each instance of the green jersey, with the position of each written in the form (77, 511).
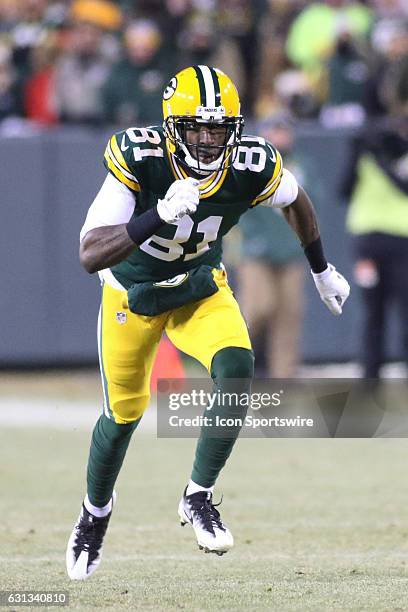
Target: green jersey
(141, 158)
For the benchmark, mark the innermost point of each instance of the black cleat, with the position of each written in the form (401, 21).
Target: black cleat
(84, 550)
(211, 533)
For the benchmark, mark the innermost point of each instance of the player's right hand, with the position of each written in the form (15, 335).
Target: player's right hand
(181, 199)
(333, 288)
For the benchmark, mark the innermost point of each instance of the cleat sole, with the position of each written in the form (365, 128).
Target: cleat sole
(219, 553)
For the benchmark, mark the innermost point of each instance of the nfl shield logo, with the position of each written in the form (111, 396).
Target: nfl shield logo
(121, 317)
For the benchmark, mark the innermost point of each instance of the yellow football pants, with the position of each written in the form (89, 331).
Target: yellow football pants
(128, 343)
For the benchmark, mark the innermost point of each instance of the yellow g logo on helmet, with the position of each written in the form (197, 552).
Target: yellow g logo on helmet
(170, 89)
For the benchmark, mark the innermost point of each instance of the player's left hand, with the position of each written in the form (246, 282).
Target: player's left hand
(333, 288)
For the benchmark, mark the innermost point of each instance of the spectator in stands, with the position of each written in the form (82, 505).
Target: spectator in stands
(273, 31)
(245, 38)
(153, 10)
(238, 23)
(198, 38)
(26, 29)
(187, 28)
(387, 89)
(83, 69)
(347, 77)
(10, 14)
(39, 90)
(378, 218)
(394, 9)
(169, 15)
(314, 32)
(8, 94)
(293, 90)
(318, 30)
(132, 93)
(271, 278)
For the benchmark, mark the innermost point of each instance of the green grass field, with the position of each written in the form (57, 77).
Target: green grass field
(318, 524)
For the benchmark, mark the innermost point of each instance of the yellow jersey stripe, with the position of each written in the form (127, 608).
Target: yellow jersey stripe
(276, 172)
(209, 182)
(133, 185)
(215, 186)
(273, 182)
(172, 162)
(181, 170)
(118, 154)
(127, 173)
(269, 193)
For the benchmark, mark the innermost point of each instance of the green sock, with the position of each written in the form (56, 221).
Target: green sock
(212, 452)
(108, 449)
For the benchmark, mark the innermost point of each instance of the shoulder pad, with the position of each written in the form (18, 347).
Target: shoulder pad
(127, 150)
(266, 163)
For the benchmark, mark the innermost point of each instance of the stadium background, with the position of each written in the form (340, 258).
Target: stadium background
(51, 147)
(328, 531)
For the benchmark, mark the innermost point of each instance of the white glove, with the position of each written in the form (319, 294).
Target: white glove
(181, 198)
(333, 288)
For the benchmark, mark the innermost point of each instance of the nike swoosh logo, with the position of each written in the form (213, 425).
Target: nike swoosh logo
(123, 147)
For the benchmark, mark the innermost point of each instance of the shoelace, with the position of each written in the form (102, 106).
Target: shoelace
(90, 536)
(209, 516)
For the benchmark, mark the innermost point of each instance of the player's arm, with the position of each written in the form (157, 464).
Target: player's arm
(111, 230)
(299, 212)
(104, 247)
(104, 239)
(302, 218)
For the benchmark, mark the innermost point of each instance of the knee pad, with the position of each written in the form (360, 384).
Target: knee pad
(233, 362)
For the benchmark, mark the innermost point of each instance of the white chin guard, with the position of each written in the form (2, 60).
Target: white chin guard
(200, 167)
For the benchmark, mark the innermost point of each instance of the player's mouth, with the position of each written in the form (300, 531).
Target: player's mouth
(207, 155)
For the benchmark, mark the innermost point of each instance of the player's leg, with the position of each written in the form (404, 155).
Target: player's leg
(214, 332)
(127, 347)
(374, 284)
(255, 278)
(397, 260)
(283, 338)
(232, 372)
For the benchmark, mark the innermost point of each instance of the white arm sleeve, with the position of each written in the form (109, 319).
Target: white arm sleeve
(114, 204)
(285, 194)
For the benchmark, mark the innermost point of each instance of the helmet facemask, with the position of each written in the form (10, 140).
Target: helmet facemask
(192, 154)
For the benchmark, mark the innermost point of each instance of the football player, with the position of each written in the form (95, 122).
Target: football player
(171, 194)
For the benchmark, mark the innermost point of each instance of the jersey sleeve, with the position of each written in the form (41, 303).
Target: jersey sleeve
(114, 204)
(117, 162)
(286, 192)
(272, 174)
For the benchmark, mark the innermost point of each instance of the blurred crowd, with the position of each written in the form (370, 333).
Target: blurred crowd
(98, 61)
